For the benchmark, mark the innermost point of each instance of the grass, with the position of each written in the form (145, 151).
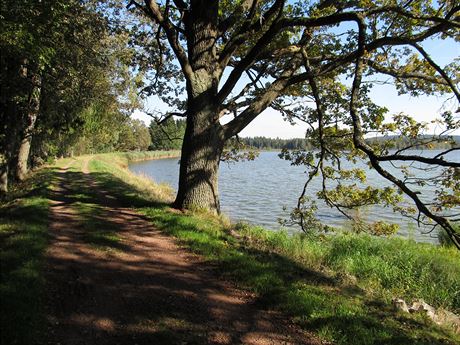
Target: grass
(133, 190)
(393, 267)
(320, 300)
(23, 240)
(123, 158)
(339, 287)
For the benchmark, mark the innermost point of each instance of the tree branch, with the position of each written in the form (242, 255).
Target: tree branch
(404, 74)
(153, 11)
(241, 34)
(360, 143)
(438, 69)
(259, 104)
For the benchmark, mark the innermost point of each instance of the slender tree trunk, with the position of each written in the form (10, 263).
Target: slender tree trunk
(3, 175)
(30, 118)
(5, 75)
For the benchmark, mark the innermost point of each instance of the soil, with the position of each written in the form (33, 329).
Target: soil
(149, 290)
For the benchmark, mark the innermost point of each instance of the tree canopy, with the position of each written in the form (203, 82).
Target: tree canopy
(314, 61)
(73, 71)
(65, 85)
(167, 135)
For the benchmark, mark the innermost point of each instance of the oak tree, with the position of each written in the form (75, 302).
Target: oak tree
(311, 60)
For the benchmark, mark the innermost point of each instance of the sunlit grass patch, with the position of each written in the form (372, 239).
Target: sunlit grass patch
(389, 267)
(130, 188)
(97, 230)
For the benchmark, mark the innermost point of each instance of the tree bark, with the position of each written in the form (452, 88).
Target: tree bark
(199, 168)
(3, 176)
(204, 136)
(30, 118)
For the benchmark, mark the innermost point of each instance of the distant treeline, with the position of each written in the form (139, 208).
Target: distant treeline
(421, 142)
(263, 143)
(168, 136)
(393, 142)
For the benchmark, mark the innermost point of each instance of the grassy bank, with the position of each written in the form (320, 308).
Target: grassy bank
(123, 158)
(339, 287)
(24, 220)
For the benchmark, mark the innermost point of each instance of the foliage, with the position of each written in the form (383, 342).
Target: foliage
(134, 136)
(167, 135)
(314, 62)
(86, 89)
(88, 101)
(30, 33)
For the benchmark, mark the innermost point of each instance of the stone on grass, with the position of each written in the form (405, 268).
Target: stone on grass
(440, 317)
(400, 305)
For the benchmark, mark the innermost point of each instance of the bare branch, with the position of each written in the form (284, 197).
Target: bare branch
(446, 152)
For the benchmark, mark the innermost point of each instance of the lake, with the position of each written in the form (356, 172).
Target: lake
(256, 192)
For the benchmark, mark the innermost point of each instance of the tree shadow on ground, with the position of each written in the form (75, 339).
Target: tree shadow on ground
(142, 292)
(343, 312)
(120, 293)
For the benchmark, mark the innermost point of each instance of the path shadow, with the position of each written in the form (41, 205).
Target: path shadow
(142, 289)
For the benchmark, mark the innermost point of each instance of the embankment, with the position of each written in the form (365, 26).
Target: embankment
(339, 287)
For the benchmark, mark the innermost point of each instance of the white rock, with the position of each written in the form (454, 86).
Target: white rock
(400, 304)
(444, 317)
(440, 316)
(421, 306)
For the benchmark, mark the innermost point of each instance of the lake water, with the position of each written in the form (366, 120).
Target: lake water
(256, 192)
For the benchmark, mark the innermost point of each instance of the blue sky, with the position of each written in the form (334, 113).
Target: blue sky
(423, 108)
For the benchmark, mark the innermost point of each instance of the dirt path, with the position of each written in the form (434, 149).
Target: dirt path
(148, 291)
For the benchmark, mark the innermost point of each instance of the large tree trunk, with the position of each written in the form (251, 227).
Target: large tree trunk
(204, 138)
(199, 168)
(29, 120)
